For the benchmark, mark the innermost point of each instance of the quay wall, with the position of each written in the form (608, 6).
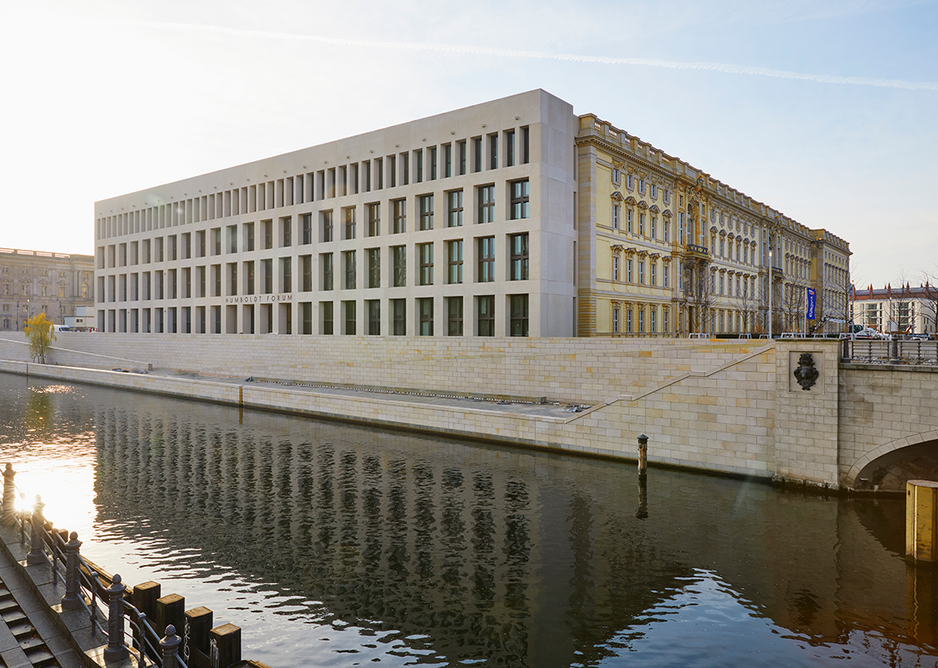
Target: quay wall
(585, 370)
(723, 406)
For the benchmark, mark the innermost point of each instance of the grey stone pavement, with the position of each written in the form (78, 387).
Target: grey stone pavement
(556, 409)
(28, 637)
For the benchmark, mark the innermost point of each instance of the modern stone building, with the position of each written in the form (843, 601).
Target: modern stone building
(913, 310)
(513, 217)
(32, 282)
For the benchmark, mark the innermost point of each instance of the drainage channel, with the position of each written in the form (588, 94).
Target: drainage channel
(33, 646)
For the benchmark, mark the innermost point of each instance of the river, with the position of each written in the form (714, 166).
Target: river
(341, 545)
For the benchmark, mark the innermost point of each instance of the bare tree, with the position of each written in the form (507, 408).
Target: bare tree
(930, 302)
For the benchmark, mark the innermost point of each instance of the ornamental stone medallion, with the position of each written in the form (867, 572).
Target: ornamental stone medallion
(806, 374)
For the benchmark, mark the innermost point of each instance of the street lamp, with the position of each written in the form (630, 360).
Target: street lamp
(770, 291)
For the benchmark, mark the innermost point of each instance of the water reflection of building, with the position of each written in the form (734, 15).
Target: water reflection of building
(521, 558)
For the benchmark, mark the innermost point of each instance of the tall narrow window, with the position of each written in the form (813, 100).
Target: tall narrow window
(525, 145)
(518, 313)
(374, 267)
(447, 160)
(399, 257)
(462, 156)
(454, 208)
(374, 316)
(431, 157)
(325, 317)
(348, 258)
(426, 211)
(425, 263)
(477, 154)
(374, 219)
(425, 316)
(454, 261)
(519, 199)
(485, 315)
(327, 271)
(398, 317)
(493, 151)
(418, 166)
(519, 256)
(306, 222)
(454, 316)
(400, 215)
(351, 319)
(348, 222)
(325, 224)
(486, 204)
(509, 148)
(616, 211)
(486, 255)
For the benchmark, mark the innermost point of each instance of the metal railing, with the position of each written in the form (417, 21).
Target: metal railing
(878, 351)
(89, 588)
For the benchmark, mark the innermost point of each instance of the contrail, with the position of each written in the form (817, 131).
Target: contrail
(724, 68)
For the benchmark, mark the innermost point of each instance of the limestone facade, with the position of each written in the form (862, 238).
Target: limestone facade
(34, 282)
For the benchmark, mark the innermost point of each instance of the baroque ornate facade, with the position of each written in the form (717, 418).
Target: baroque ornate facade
(668, 249)
(33, 282)
(514, 217)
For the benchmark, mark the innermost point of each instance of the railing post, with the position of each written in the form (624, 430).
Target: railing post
(71, 600)
(36, 554)
(169, 645)
(116, 650)
(9, 496)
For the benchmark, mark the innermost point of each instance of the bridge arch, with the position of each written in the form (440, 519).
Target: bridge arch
(867, 470)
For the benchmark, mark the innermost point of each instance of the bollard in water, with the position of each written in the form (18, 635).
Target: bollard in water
(9, 496)
(36, 554)
(116, 650)
(642, 455)
(169, 645)
(225, 646)
(72, 599)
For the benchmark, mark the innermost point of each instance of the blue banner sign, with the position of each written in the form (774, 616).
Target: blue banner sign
(812, 300)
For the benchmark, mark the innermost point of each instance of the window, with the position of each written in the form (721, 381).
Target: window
(615, 319)
(374, 220)
(425, 203)
(249, 236)
(652, 273)
(654, 191)
(509, 148)
(641, 272)
(306, 272)
(267, 267)
(653, 232)
(485, 315)
(525, 145)
(399, 258)
(486, 203)
(431, 157)
(348, 259)
(268, 234)
(462, 156)
(325, 315)
(651, 319)
(398, 317)
(374, 267)
(447, 160)
(374, 316)
(418, 166)
(615, 268)
(628, 181)
(454, 261)
(348, 222)
(400, 215)
(454, 208)
(477, 154)
(616, 210)
(286, 232)
(351, 319)
(518, 314)
(306, 225)
(664, 321)
(519, 199)
(486, 259)
(286, 274)
(493, 151)
(327, 271)
(615, 175)
(628, 270)
(628, 220)
(425, 316)
(641, 223)
(425, 264)
(454, 316)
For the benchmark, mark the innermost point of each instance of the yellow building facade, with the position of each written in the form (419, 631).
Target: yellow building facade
(665, 249)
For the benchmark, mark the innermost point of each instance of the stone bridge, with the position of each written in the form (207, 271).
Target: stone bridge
(726, 406)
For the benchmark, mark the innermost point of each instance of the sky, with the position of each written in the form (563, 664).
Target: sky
(825, 110)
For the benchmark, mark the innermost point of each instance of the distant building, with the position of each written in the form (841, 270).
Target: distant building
(914, 310)
(32, 282)
(513, 217)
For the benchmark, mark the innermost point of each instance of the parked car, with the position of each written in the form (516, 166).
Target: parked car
(867, 333)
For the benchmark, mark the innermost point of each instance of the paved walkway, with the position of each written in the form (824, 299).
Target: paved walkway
(28, 638)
